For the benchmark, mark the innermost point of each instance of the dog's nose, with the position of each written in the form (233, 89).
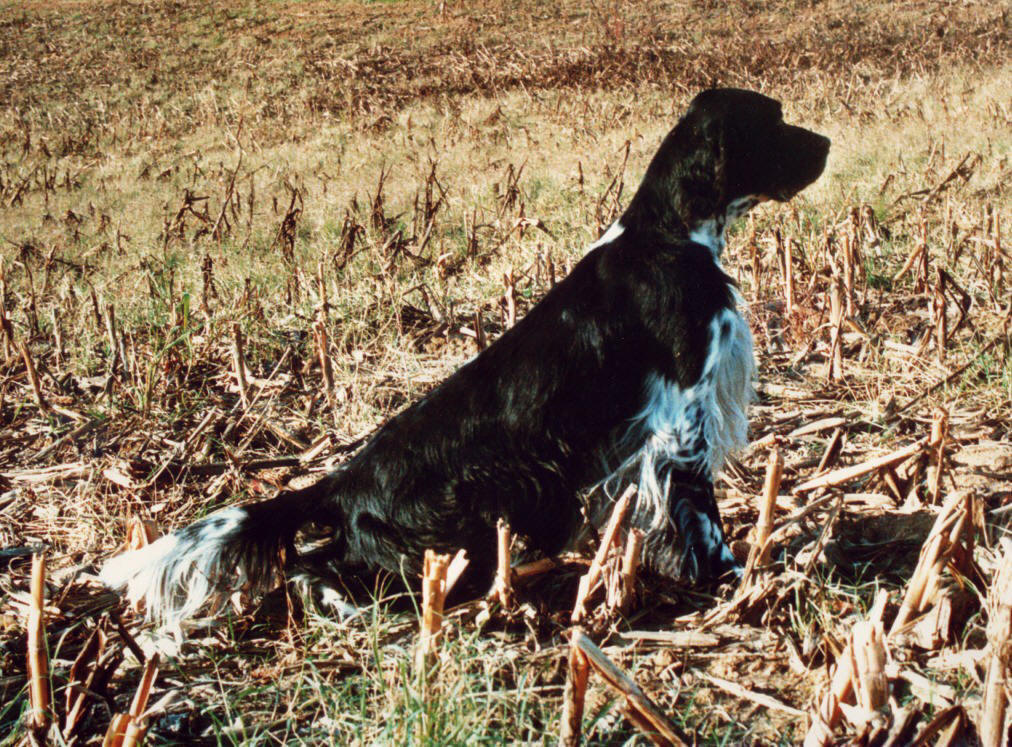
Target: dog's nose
(822, 144)
(811, 143)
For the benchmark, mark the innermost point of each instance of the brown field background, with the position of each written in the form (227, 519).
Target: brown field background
(388, 183)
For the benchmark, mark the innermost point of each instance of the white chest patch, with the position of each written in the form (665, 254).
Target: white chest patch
(692, 428)
(710, 232)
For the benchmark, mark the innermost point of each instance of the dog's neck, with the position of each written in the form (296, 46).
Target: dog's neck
(709, 233)
(653, 208)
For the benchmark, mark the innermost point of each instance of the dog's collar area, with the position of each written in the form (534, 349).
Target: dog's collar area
(710, 232)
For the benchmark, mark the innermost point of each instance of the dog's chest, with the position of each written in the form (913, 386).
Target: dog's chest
(692, 428)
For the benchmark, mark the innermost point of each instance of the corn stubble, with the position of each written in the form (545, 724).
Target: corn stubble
(214, 283)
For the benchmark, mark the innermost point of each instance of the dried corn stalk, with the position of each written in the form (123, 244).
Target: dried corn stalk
(871, 687)
(573, 697)
(82, 676)
(326, 367)
(456, 569)
(846, 474)
(993, 731)
(239, 365)
(39, 694)
(630, 565)
(936, 454)
(589, 581)
(128, 729)
(834, 368)
(433, 597)
(860, 670)
(503, 577)
(140, 533)
(950, 541)
(759, 555)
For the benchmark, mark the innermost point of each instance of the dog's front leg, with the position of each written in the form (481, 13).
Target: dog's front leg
(691, 543)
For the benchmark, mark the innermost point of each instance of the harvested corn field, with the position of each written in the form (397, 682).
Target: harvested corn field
(236, 240)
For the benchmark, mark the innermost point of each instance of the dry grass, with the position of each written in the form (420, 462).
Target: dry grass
(170, 173)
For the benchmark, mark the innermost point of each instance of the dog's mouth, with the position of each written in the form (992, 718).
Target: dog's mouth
(779, 164)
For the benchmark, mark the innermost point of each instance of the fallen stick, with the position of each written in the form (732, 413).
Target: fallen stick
(832, 452)
(68, 436)
(947, 717)
(818, 504)
(526, 571)
(639, 709)
(180, 453)
(929, 690)
(846, 474)
(766, 701)
(674, 638)
(817, 426)
(128, 639)
(590, 579)
(824, 534)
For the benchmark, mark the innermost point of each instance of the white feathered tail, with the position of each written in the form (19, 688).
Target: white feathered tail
(238, 548)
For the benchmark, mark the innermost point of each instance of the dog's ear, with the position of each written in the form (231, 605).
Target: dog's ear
(687, 180)
(699, 174)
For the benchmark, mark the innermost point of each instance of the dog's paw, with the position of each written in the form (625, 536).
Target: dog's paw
(706, 558)
(325, 598)
(705, 563)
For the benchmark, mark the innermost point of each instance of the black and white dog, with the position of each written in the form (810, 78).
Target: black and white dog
(635, 368)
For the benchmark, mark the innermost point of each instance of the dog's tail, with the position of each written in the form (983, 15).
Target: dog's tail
(235, 548)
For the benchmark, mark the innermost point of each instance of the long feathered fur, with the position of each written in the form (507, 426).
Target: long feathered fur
(637, 366)
(231, 550)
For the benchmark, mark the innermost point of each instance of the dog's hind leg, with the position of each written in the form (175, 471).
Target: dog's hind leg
(332, 592)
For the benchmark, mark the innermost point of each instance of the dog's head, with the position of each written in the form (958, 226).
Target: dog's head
(730, 151)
